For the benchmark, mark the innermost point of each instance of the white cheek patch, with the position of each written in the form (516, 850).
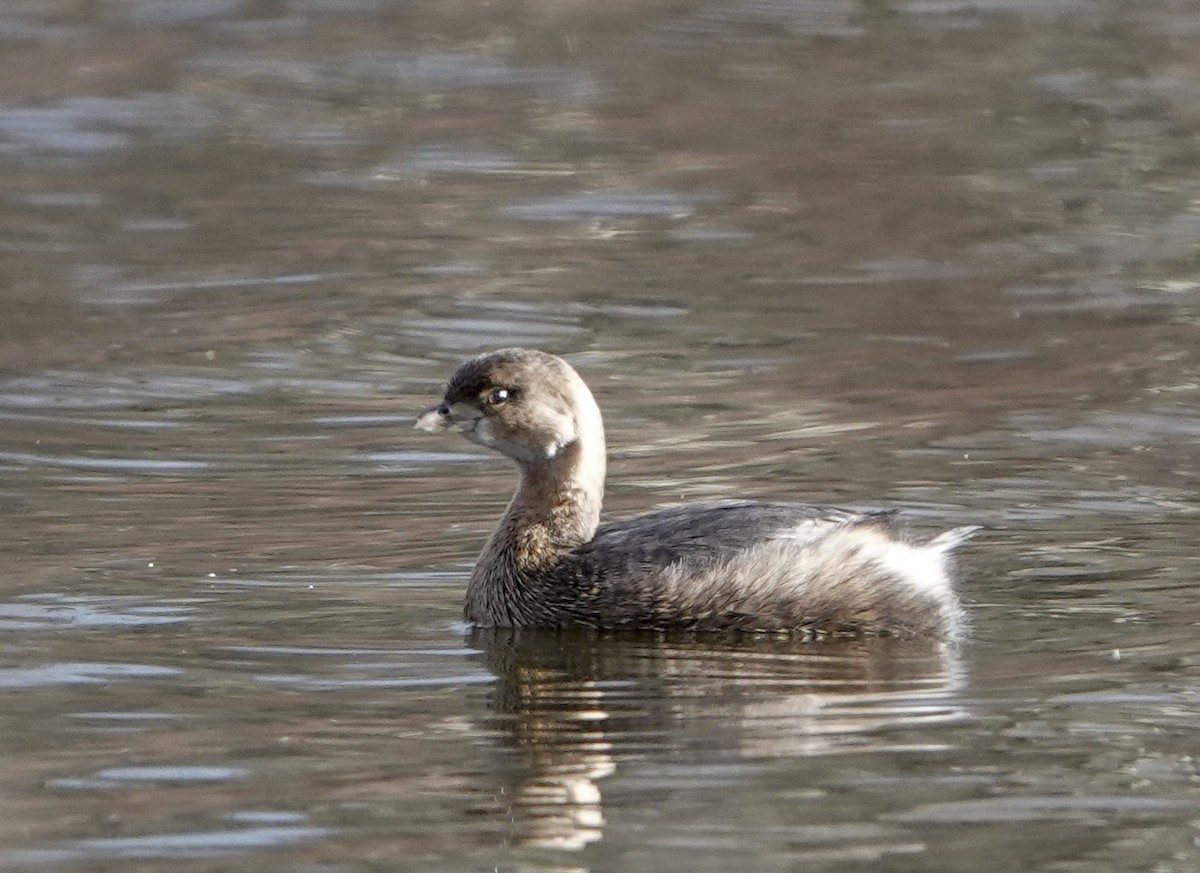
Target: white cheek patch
(560, 431)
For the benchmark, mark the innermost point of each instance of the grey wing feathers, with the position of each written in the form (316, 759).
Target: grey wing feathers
(713, 530)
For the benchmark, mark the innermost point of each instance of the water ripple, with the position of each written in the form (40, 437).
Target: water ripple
(606, 204)
(43, 611)
(1098, 808)
(201, 844)
(113, 465)
(46, 675)
(173, 774)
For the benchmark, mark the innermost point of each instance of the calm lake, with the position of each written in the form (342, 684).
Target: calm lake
(930, 255)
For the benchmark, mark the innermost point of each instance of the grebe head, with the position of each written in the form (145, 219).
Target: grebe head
(525, 404)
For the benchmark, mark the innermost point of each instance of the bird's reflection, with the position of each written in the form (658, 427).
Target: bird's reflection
(576, 703)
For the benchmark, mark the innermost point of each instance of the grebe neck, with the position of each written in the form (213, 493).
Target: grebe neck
(556, 508)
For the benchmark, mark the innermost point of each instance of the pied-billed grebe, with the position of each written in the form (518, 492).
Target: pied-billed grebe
(736, 565)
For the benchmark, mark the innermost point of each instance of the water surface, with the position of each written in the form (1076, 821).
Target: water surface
(929, 255)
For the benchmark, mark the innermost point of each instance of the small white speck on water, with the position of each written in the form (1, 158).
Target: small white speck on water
(151, 564)
(212, 575)
(1116, 654)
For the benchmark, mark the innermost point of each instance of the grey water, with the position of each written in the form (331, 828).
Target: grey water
(934, 256)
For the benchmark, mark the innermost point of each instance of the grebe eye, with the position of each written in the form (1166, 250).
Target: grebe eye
(497, 396)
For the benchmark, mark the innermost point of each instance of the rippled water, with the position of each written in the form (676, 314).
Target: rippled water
(930, 255)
